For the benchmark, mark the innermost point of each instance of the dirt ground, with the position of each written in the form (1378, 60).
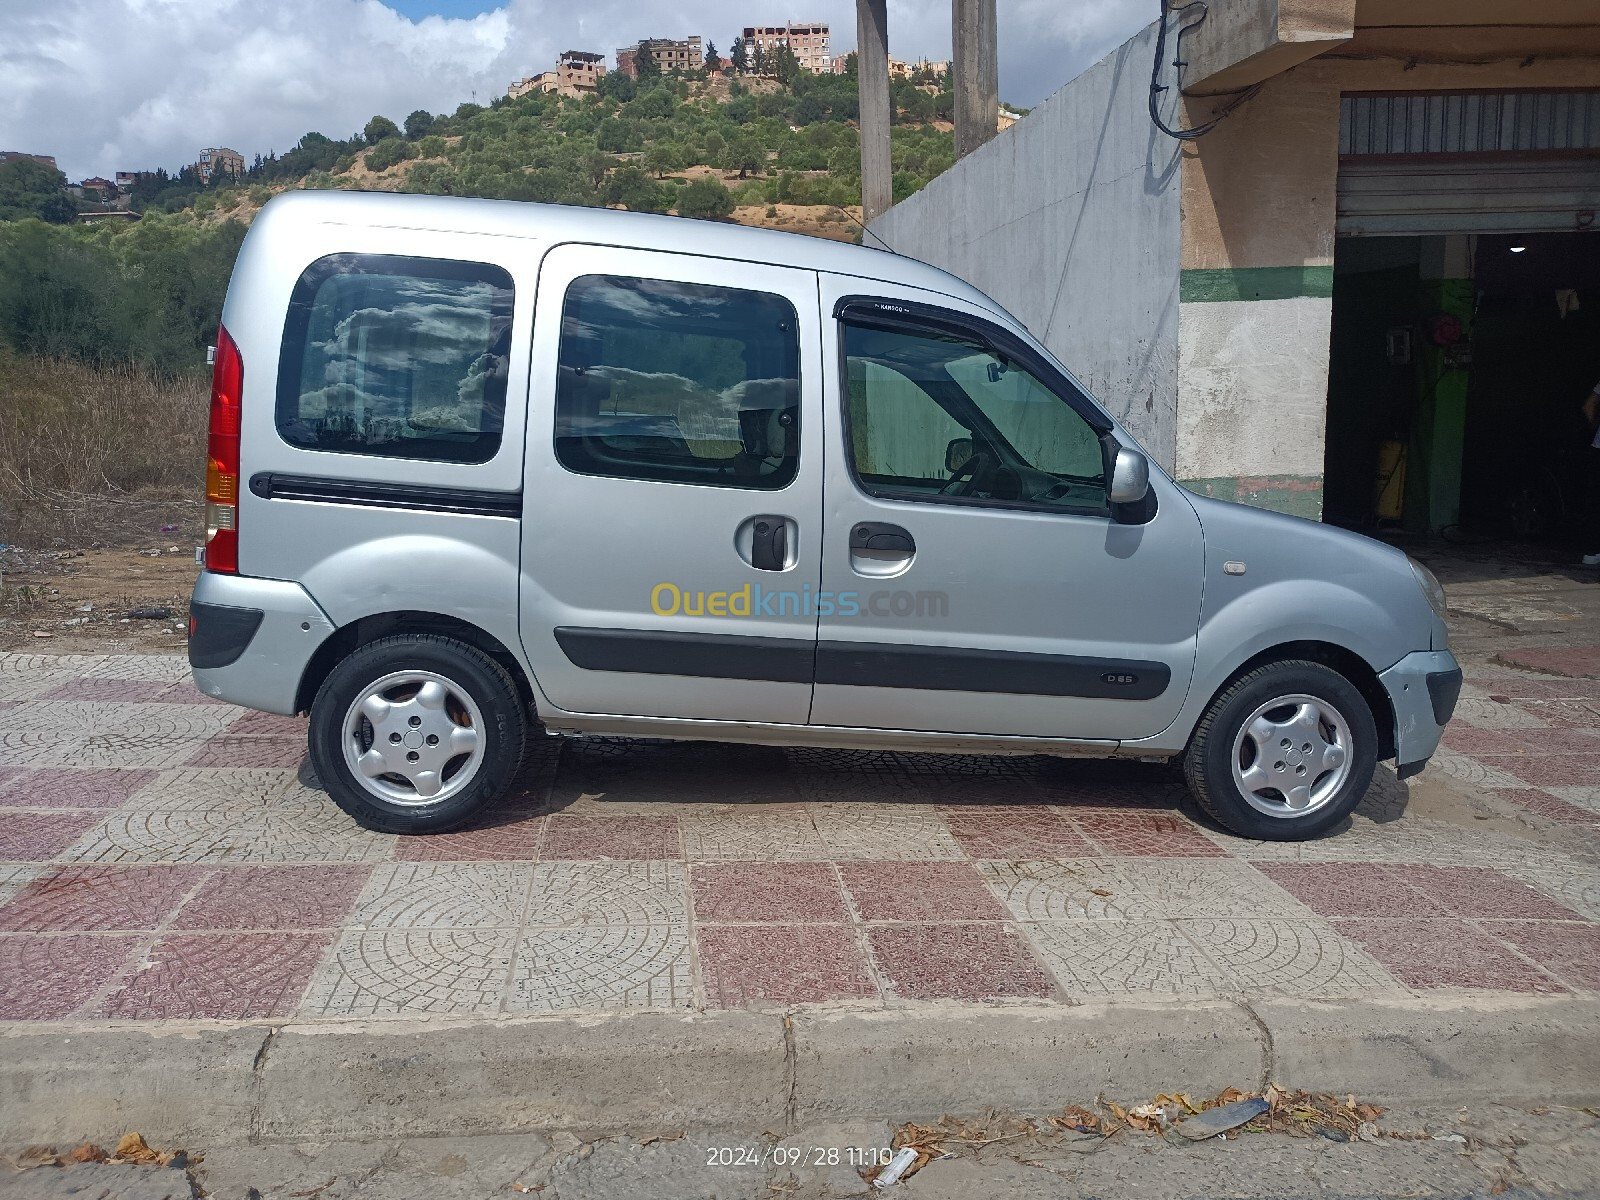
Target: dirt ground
(83, 601)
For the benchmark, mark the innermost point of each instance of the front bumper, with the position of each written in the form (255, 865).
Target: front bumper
(1423, 688)
(263, 665)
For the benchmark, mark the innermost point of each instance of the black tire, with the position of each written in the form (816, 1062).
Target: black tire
(472, 674)
(1208, 763)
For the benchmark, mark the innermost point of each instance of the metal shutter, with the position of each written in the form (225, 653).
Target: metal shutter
(1531, 193)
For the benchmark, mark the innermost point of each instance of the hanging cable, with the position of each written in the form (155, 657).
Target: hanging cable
(1157, 87)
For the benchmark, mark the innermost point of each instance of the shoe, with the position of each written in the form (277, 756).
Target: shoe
(1591, 560)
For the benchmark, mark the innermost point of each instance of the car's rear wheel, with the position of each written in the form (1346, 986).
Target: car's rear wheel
(415, 733)
(1284, 752)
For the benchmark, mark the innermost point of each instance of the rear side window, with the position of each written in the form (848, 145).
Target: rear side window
(678, 382)
(398, 357)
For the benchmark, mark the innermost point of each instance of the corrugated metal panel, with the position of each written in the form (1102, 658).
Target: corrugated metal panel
(1421, 123)
(1537, 194)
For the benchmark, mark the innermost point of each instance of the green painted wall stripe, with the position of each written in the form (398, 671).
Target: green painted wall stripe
(1254, 283)
(1297, 495)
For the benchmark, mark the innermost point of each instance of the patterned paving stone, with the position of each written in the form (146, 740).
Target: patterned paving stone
(49, 788)
(118, 690)
(7, 774)
(1571, 714)
(99, 898)
(1480, 892)
(185, 692)
(1571, 952)
(856, 787)
(244, 791)
(1573, 883)
(1353, 890)
(1485, 713)
(14, 879)
(778, 964)
(1550, 807)
(226, 750)
(44, 978)
(1470, 770)
(493, 838)
(1570, 770)
(412, 972)
(1012, 833)
(1290, 958)
(39, 837)
(1584, 797)
(1560, 660)
(39, 748)
(264, 724)
(611, 837)
(960, 962)
(785, 833)
(144, 723)
(444, 896)
(859, 831)
(233, 830)
(1445, 953)
(919, 891)
(153, 668)
(1137, 889)
(276, 897)
(1167, 835)
(608, 893)
(588, 966)
(768, 893)
(234, 976)
(1114, 958)
(1520, 742)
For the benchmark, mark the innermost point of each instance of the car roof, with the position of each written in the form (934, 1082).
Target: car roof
(648, 231)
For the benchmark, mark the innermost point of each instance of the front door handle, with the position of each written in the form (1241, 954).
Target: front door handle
(878, 549)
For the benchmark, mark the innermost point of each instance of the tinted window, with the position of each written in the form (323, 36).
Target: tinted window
(401, 357)
(932, 416)
(679, 382)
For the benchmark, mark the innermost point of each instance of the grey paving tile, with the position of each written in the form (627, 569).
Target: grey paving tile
(412, 972)
(444, 896)
(1288, 957)
(619, 966)
(852, 831)
(1137, 889)
(759, 834)
(607, 893)
(1119, 958)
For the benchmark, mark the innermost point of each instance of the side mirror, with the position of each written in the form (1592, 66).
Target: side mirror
(1130, 477)
(957, 454)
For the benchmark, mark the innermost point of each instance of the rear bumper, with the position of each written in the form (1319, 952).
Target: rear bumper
(1423, 689)
(253, 639)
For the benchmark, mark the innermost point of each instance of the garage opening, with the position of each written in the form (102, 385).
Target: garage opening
(1466, 317)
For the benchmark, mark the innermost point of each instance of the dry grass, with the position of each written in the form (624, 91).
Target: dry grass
(97, 456)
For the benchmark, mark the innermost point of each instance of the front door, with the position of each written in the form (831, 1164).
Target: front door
(979, 579)
(673, 495)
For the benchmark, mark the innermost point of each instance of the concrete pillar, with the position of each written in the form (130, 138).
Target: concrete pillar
(872, 82)
(977, 75)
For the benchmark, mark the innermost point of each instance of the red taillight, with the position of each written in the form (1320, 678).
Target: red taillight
(222, 466)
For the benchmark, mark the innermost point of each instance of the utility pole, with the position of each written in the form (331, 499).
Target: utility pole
(976, 74)
(872, 81)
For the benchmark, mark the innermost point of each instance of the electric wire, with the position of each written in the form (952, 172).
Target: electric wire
(1157, 87)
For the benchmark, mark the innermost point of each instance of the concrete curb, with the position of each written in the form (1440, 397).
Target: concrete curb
(206, 1081)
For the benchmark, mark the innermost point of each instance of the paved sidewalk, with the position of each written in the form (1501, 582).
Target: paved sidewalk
(159, 859)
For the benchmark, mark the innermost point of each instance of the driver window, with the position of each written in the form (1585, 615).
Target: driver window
(933, 417)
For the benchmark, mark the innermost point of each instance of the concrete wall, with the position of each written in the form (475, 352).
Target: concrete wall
(1070, 219)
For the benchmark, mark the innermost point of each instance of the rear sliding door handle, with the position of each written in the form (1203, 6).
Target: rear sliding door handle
(766, 542)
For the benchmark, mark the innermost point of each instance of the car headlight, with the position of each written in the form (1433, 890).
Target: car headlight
(1430, 589)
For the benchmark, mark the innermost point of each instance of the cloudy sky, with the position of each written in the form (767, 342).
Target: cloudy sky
(109, 85)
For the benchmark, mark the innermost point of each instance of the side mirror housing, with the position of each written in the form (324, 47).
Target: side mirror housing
(1130, 477)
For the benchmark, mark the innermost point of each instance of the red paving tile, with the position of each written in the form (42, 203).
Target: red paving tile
(1559, 770)
(227, 750)
(1464, 739)
(1165, 835)
(1523, 688)
(508, 839)
(1013, 833)
(959, 962)
(39, 837)
(1445, 953)
(99, 898)
(186, 693)
(42, 978)
(264, 724)
(611, 837)
(231, 976)
(1564, 714)
(9, 773)
(1579, 661)
(73, 789)
(1351, 890)
(275, 897)
(766, 892)
(1571, 952)
(122, 691)
(1553, 808)
(919, 891)
(779, 964)
(1481, 892)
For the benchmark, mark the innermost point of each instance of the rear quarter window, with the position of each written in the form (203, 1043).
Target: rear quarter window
(397, 357)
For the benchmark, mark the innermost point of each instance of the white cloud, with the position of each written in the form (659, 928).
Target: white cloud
(108, 85)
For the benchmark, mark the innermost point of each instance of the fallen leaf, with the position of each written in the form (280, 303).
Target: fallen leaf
(133, 1148)
(87, 1152)
(36, 1156)
(316, 1191)
(1100, 891)
(661, 1137)
(1230, 1095)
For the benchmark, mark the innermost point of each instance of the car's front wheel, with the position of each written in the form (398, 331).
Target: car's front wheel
(415, 733)
(1284, 752)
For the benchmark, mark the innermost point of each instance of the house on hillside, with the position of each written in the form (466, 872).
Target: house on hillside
(219, 160)
(807, 39)
(577, 73)
(668, 55)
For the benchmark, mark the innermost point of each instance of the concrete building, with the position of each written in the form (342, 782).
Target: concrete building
(7, 155)
(808, 40)
(577, 73)
(219, 160)
(898, 68)
(669, 55)
(1370, 293)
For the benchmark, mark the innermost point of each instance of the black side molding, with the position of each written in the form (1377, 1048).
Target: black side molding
(220, 633)
(701, 655)
(470, 502)
(1444, 689)
(956, 669)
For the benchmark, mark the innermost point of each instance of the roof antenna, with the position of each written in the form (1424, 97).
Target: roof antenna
(864, 229)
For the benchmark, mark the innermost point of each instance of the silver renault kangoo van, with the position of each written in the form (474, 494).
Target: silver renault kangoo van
(480, 469)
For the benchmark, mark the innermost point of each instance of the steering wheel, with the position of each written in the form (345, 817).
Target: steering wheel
(966, 475)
